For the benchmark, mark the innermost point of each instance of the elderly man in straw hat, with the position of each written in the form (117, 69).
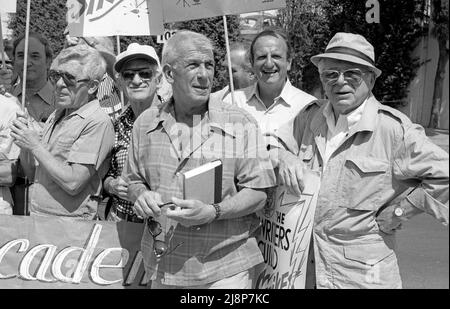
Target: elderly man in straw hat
(378, 170)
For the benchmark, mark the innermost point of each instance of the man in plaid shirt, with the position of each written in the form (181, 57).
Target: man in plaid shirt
(193, 244)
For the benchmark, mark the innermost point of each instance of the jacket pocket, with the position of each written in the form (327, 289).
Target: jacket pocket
(362, 181)
(368, 254)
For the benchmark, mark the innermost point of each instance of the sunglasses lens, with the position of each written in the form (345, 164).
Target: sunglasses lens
(160, 248)
(353, 76)
(143, 74)
(68, 79)
(154, 227)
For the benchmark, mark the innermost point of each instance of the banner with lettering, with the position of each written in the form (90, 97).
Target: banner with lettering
(114, 17)
(181, 10)
(8, 6)
(285, 235)
(62, 253)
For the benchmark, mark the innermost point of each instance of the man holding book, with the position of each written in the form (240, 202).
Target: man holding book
(197, 243)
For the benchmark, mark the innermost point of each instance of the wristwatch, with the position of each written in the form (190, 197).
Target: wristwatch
(399, 212)
(218, 212)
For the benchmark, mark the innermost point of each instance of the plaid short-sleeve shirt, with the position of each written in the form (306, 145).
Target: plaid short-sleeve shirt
(224, 247)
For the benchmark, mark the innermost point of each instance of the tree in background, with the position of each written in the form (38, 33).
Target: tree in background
(306, 25)
(47, 17)
(439, 24)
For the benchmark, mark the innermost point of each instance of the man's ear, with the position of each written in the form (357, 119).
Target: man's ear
(289, 63)
(93, 86)
(168, 73)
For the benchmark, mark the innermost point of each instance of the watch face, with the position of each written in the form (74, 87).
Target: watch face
(398, 212)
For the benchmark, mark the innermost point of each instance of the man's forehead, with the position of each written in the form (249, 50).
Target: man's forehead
(34, 46)
(139, 63)
(73, 67)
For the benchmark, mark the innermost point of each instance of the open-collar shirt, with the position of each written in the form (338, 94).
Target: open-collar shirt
(224, 247)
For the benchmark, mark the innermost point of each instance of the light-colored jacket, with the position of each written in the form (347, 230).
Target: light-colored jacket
(384, 158)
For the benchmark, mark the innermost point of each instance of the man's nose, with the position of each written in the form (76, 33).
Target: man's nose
(341, 79)
(202, 72)
(269, 61)
(137, 80)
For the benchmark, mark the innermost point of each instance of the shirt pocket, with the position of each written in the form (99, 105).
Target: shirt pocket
(362, 181)
(306, 154)
(61, 147)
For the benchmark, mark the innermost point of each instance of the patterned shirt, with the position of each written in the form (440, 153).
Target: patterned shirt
(123, 129)
(224, 247)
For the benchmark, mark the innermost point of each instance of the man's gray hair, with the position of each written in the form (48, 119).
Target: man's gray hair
(174, 48)
(91, 62)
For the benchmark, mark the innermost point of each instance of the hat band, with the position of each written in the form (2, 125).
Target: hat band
(351, 52)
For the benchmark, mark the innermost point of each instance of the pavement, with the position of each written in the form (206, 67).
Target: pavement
(423, 243)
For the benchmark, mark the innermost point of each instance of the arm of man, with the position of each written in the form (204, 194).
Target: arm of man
(86, 155)
(418, 160)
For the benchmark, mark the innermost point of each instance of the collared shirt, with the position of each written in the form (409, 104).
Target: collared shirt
(9, 108)
(123, 128)
(283, 110)
(85, 136)
(337, 130)
(223, 247)
(40, 104)
(385, 159)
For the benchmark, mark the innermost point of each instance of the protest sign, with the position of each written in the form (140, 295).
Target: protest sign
(8, 6)
(285, 235)
(163, 38)
(181, 10)
(114, 17)
(54, 252)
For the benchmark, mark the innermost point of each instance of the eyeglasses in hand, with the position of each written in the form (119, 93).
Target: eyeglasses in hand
(160, 248)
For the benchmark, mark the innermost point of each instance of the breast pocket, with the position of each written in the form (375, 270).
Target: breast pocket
(361, 182)
(61, 147)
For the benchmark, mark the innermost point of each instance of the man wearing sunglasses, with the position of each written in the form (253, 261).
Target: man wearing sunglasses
(197, 244)
(378, 170)
(77, 139)
(108, 91)
(139, 77)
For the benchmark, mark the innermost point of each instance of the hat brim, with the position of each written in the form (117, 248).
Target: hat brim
(119, 64)
(349, 58)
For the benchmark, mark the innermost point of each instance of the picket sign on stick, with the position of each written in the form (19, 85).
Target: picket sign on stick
(25, 59)
(118, 52)
(2, 46)
(230, 71)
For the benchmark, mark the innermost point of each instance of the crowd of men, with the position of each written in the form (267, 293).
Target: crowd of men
(78, 143)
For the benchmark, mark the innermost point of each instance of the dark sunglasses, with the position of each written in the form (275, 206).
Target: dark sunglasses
(68, 79)
(144, 74)
(352, 76)
(160, 248)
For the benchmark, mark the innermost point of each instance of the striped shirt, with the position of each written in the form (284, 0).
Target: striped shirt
(224, 247)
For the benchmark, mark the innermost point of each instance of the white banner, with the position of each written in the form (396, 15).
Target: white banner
(181, 10)
(8, 6)
(285, 235)
(114, 17)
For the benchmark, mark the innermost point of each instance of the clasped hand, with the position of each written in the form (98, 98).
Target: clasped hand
(25, 134)
(186, 212)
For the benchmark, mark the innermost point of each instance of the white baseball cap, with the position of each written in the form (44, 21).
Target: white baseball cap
(136, 51)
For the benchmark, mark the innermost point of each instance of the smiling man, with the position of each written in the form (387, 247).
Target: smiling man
(139, 77)
(272, 101)
(378, 170)
(77, 139)
(197, 244)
